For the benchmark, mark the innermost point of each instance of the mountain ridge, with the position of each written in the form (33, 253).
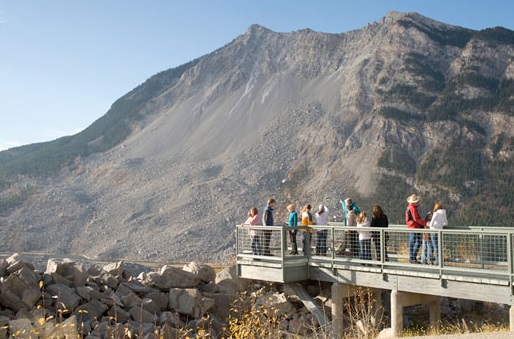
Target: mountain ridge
(405, 104)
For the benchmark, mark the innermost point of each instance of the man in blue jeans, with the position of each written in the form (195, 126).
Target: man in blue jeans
(267, 220)
(414, 221)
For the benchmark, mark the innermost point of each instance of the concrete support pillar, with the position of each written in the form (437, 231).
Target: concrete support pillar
(396, 313)
(435, 313)
(377, 301)
(511, 318)
(337, 309)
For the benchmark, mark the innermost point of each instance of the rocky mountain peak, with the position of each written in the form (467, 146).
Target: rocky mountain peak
(402, 105)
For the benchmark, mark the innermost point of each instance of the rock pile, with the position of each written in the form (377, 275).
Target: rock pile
(68, 299)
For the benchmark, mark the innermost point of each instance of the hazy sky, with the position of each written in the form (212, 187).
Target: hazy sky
(64, 62)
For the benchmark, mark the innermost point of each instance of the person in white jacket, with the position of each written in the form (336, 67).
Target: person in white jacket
(438, 221)
(364, 236)
(321, 217)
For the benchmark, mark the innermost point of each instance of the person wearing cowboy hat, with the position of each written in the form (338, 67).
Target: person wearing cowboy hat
(413, 221)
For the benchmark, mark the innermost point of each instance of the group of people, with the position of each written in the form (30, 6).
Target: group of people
(429, 242)
(360, 242)
(320, 217)
(356, 242)
(260, 240)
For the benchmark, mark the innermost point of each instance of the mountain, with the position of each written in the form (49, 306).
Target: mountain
(404, 105)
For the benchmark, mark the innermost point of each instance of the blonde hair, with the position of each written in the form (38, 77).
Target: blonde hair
(290, 207)
(362, 217)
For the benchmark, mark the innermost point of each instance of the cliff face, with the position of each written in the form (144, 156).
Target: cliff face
(403, 105)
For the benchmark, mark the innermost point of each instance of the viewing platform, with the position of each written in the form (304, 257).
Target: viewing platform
(475, 263)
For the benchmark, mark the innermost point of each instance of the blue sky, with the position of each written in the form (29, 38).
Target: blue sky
(64, 62)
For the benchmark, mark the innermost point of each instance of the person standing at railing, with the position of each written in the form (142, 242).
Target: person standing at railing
(307, 220)
(379, 219)
(254, 219)
(364, 236)
(267, 220)
(321, 218)
(426, 247)
(292, 222)
(438, 221)
(351, 210)
(413, 221)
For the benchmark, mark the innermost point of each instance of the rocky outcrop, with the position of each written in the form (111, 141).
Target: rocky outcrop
(71, 298)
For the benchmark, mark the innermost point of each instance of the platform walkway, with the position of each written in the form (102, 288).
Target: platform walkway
(473, 263)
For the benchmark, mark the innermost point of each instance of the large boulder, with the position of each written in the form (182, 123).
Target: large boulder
(228, 281)
(172, 277)
(276, 303)
(68, 269)
(93, 309)
(204, 272)
(65, 296)
(189, 302)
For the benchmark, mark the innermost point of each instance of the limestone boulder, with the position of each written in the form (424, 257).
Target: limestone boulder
(172, 277)
(68, 269)
(189, 302)
(16, 262)
(93, 309)
(228, 281)
(276, 303)
(203, 271)
(141, 315)
(65, 296)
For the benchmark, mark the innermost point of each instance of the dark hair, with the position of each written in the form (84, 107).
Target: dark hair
(377, 211)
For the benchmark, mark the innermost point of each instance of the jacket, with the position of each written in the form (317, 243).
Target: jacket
(412, 218)
(322, 219)
(252, 221)
(267, 217)
(293, 219)
(306, 220)
(346, 210)
(439, 220)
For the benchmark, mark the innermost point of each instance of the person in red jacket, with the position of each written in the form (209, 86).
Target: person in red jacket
(414, 221)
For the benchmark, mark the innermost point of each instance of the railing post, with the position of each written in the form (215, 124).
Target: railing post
(510, 261)
(382, 241)
(440, 247)
(283, 244)
(238, 236)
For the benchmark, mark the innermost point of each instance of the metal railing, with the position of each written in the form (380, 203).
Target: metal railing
(481, 252)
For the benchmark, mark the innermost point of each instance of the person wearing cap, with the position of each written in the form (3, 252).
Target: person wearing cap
(321, 217)
(413, 221)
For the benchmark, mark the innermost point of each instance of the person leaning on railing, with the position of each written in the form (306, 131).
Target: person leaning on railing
(379, 219)
(254, 219)
(267, 220)
(438, 221)
(413, 221)
(292, 222)
(306, 221)
(321, 218)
